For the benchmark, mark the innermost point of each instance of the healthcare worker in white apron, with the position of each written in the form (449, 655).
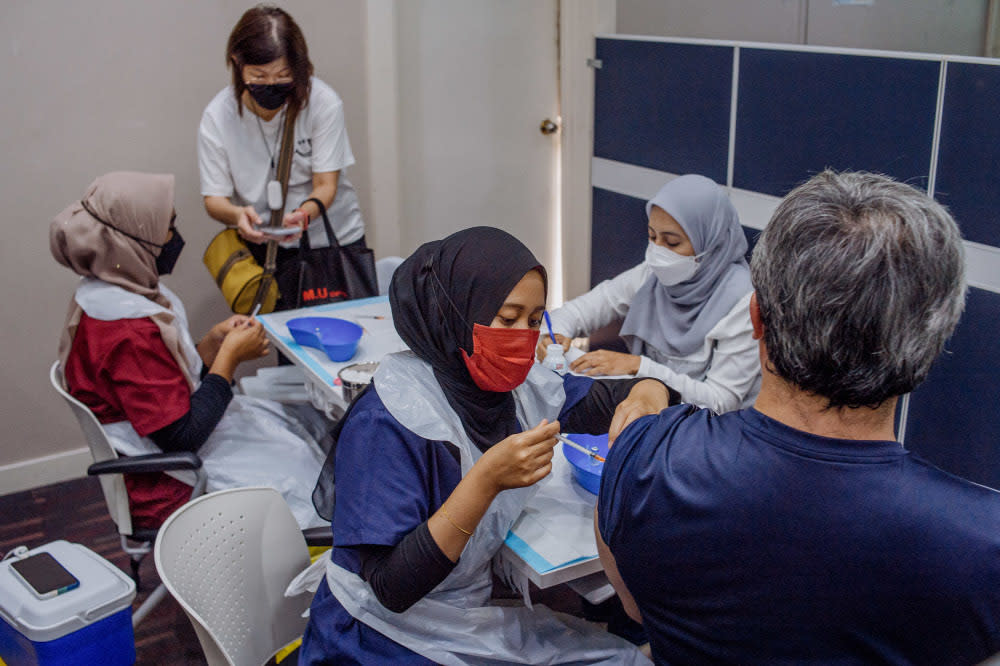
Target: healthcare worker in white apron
(437, 459)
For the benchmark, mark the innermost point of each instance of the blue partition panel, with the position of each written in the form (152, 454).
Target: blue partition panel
(664, 106)
(970, 150)
(798, 113)
(618, 234)
(954, 419)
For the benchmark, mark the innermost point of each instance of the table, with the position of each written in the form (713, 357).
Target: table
(551, 542)
(379, 339)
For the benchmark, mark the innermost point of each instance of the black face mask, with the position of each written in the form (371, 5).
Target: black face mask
(270, 96)
(170, 252)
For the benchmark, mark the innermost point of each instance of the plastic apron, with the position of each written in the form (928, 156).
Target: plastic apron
(454, 623)
(256, 443)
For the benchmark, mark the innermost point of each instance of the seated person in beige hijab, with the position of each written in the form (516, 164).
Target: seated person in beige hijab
(127, 354)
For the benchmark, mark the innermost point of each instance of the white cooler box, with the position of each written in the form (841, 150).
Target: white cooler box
(90, 624)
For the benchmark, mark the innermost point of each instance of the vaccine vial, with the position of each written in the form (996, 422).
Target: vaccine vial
(555, 359)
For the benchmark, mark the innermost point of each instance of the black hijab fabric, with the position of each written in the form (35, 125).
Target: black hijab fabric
(436, 296)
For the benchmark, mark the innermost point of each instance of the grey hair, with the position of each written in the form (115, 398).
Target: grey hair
(860, 280)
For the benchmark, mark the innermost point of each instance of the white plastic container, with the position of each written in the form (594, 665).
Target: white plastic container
(555, 359)
(91, 624)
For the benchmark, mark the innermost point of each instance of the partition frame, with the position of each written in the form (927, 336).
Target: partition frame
(756, 208)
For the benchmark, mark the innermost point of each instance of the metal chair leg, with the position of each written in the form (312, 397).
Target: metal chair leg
(155, 597)
(136, 553)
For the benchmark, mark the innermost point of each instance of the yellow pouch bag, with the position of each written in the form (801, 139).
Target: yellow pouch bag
(237, 274)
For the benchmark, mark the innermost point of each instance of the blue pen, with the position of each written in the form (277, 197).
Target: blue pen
(548, 322)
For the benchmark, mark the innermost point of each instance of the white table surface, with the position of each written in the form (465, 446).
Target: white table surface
(547, 546)
(379, 339)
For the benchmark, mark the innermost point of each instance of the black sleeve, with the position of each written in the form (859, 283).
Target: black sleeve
(403, 574)
(190, 431)
(204, 373)
(593, 414)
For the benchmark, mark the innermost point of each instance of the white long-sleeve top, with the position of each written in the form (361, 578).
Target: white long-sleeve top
(723, 375)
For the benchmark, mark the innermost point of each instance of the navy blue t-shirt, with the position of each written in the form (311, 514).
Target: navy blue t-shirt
(388, 482)
(746, 541)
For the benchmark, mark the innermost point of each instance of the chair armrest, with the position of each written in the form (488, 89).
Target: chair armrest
(318, 536)
(153, 462)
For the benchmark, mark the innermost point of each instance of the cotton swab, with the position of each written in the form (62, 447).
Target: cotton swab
(569, 442)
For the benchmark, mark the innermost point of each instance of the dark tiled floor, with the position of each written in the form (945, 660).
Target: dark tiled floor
(75, 511)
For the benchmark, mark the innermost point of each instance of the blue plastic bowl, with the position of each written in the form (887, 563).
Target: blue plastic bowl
(339, 338)
(587, 471)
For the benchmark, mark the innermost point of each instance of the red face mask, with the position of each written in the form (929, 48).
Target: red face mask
(501, 357)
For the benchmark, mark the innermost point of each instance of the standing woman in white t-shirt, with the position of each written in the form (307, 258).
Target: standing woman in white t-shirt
(239, 141)
(686, 307)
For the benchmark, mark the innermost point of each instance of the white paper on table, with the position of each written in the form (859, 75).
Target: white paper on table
(556, 528)
(575, 353)
(261, 387)
(283, 374)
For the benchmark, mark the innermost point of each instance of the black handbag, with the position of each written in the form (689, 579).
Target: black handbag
(328, 274)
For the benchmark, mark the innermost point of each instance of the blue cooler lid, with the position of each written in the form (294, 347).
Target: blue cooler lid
(104, 590)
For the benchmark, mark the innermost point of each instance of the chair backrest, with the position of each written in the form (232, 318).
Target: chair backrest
(113, 485)
(384, 268)
(227, 558)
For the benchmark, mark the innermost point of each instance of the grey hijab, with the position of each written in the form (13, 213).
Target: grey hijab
(676, 319)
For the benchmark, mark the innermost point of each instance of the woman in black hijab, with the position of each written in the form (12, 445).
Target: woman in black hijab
(437, 459)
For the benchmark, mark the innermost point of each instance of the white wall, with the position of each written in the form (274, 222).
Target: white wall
(928, 26)
(579, 21)
(934, 26)
(107, 85)
(471, 99)
(754, 20)
(447, 100)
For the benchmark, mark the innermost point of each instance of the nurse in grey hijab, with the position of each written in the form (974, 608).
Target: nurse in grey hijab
(682, 306)
(695, 282)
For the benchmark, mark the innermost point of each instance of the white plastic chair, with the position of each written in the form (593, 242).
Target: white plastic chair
(384, 268)
(227, 558)
(108, 467)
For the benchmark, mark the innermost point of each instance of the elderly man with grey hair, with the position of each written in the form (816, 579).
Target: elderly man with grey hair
(799, 530)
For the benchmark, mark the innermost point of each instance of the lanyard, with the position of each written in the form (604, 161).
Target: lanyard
(277, 137)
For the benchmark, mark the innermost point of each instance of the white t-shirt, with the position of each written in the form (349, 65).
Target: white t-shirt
(234, 159)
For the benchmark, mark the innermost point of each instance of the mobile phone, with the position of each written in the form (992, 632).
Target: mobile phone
(43, 575)
(278, 232)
